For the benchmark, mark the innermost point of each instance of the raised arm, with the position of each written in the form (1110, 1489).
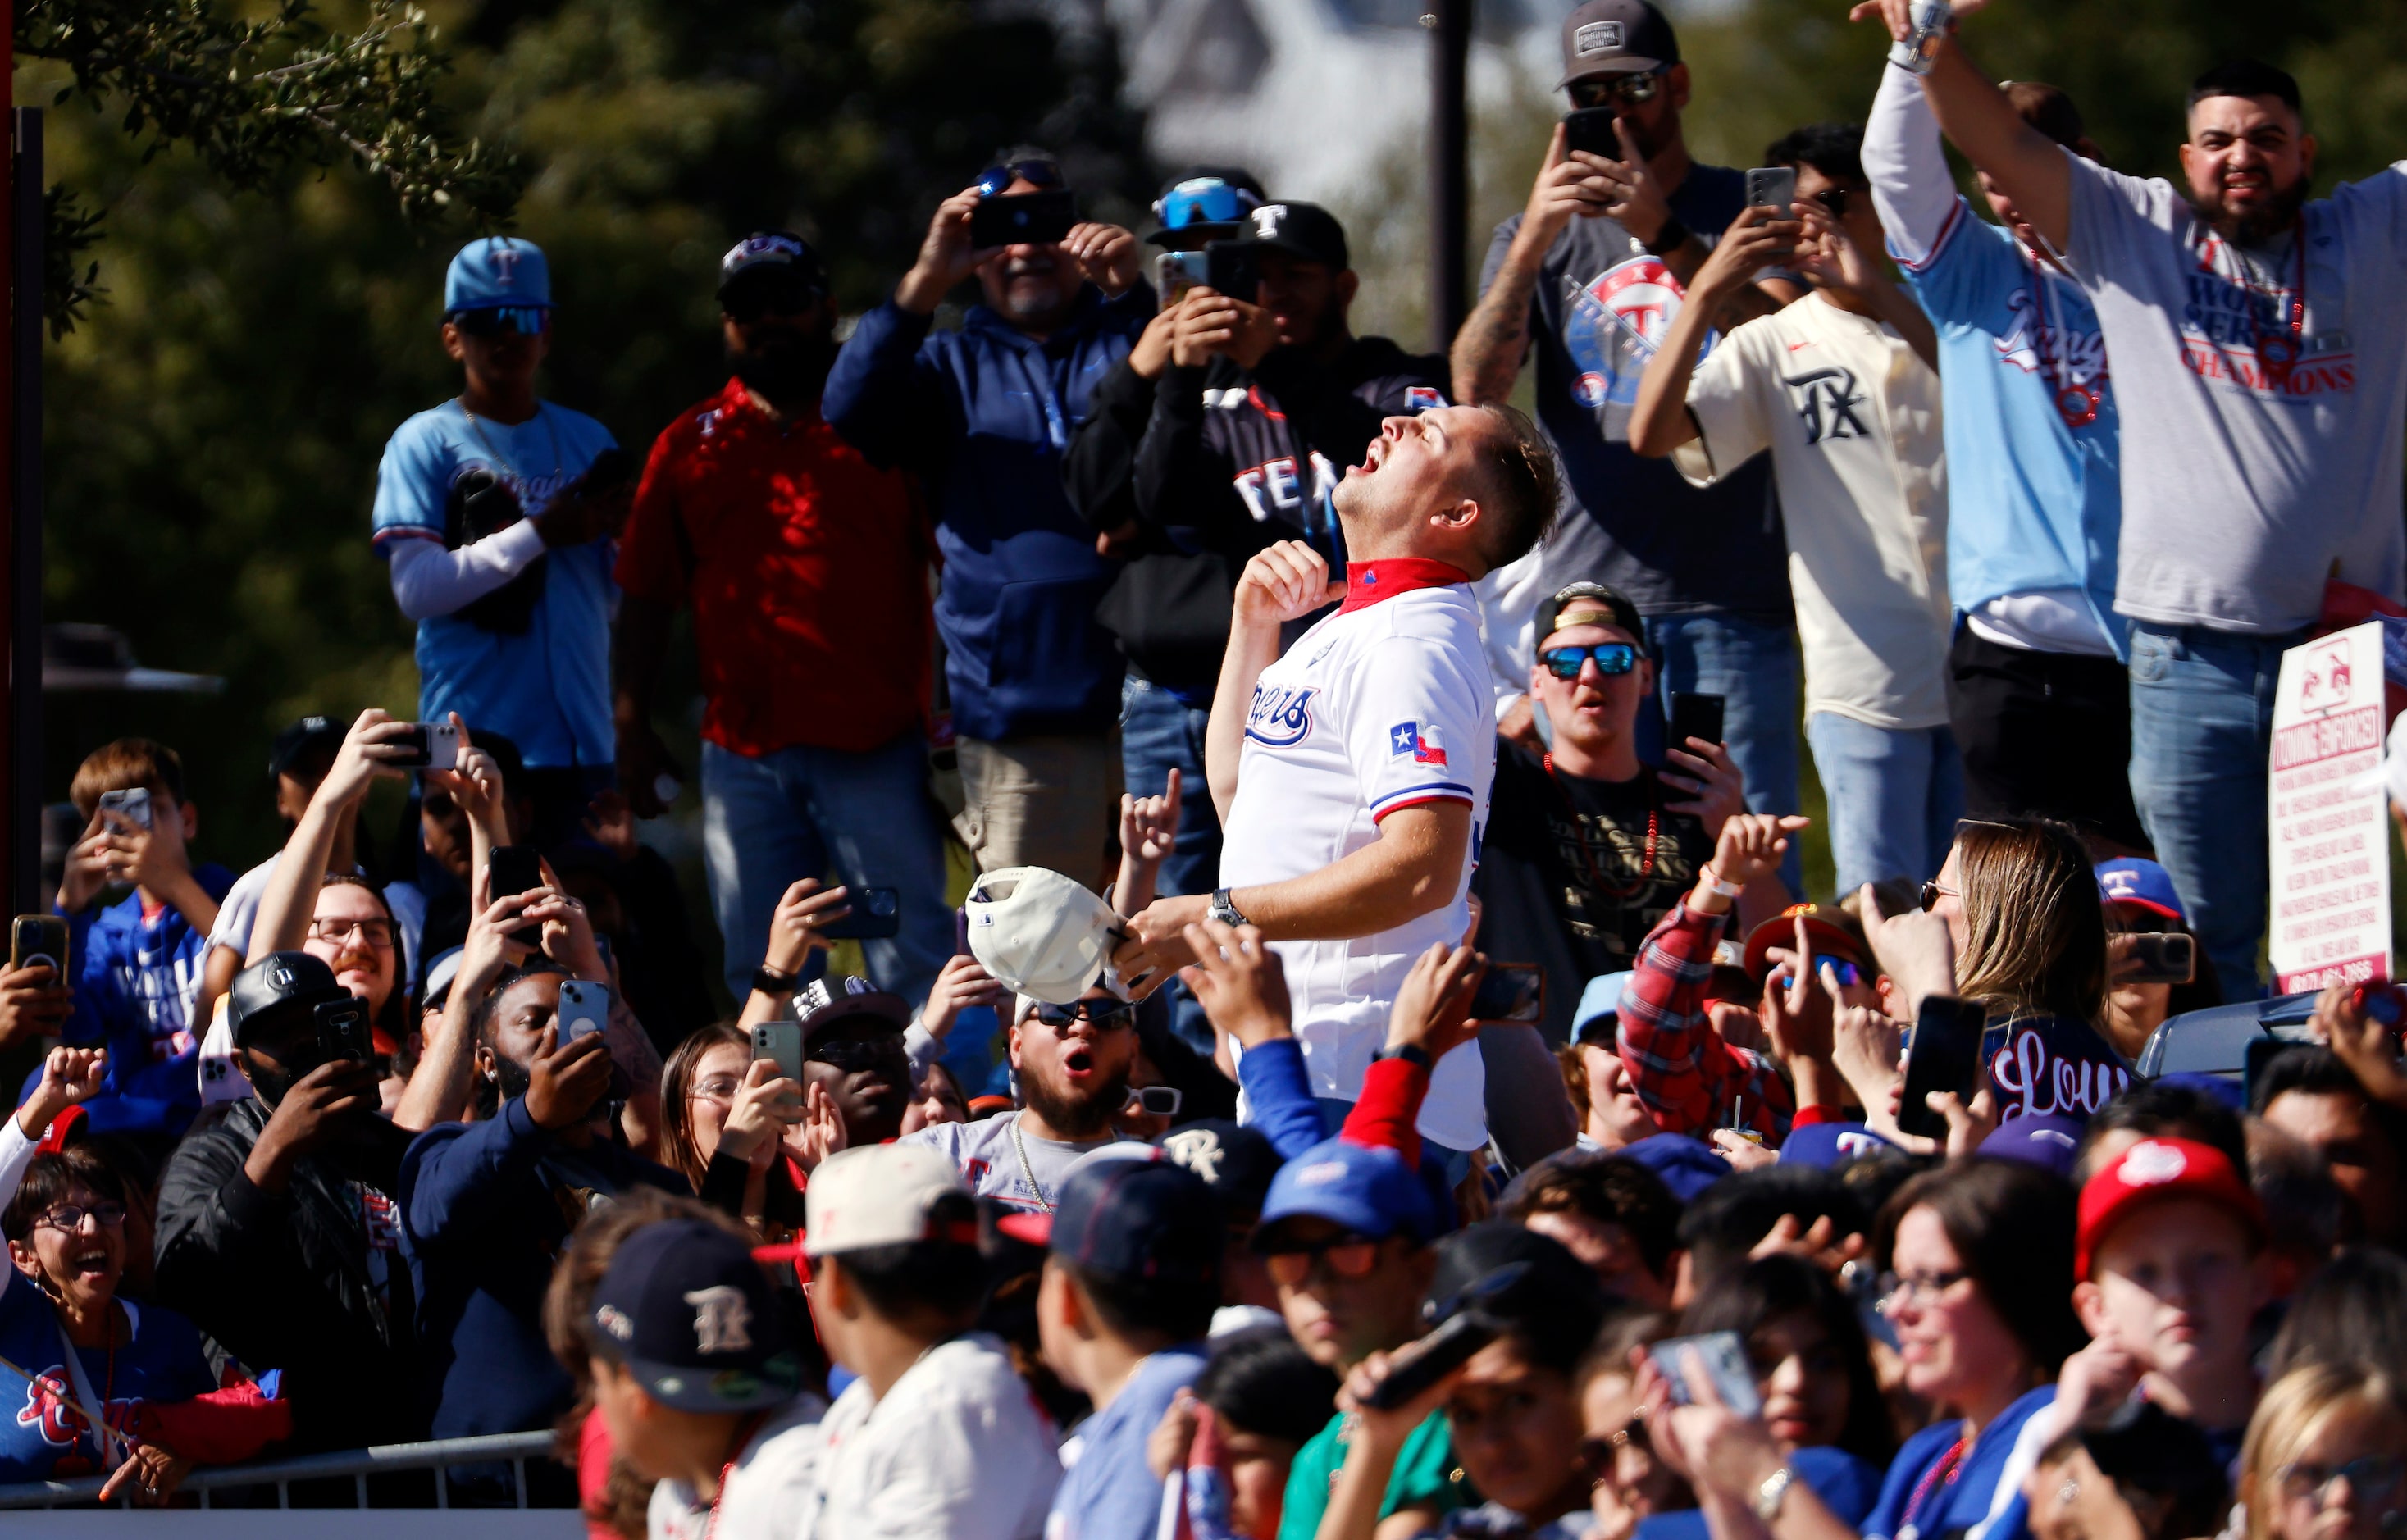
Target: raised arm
(1913, 192)
(373, 748)
(1285, 582)
(1659, 423)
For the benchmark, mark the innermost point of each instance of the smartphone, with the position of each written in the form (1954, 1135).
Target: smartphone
(39, 940)
(433, 745)
(1693, 716)
(1592, 129)
(1510, 992)
(1725, 1360)
(343, 1032)
(1177, 271)
(1421, 1364)
(2159, 957)
(1022, 219)
(781, 1044)
(961, 933)
(1944, 1053)
(877, 914)
(1774, 187)
(584, 1008)
(133, 806)
(516, 869)
(1230, 266)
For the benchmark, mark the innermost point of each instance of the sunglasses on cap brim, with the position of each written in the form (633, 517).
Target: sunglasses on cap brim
(1040, 174)
(525, 320)
(1204, 201)
(1611, 658)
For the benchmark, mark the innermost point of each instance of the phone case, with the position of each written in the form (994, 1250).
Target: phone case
(1723, 1357)
(584, 1008)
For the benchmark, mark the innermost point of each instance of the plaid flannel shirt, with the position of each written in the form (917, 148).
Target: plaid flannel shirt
(1678, 1065)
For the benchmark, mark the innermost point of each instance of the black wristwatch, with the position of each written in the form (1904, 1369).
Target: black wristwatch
(1411, 1053)
(1669, 239)
(1224, 911)
(768, 981)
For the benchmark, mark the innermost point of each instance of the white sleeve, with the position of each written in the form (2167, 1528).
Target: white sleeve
(1727, 407)
(429, 580)
(17, 1152)
(1419, 710)
(1508, 608)
(1912, 190)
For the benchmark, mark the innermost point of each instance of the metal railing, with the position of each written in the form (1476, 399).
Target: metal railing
(359, 1464)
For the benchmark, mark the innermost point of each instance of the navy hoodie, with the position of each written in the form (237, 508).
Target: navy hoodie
(486, 1208)
(984, 415)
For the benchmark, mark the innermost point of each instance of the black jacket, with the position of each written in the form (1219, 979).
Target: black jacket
(1217, 463)
(310, 1281)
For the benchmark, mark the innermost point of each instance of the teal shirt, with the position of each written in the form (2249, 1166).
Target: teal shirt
(1425, 1476)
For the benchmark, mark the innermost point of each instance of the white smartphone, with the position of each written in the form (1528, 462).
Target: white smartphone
(133, 806)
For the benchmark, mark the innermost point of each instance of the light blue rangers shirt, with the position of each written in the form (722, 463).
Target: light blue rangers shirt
(2034, 482)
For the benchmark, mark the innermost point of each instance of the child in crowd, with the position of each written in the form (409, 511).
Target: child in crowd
(2326, 1457)
(1256, 1402)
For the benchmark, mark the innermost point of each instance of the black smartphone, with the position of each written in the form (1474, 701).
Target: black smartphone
(1693, 716)
(1592, 129)
(516, 869)
(1233, 268)
(39, 940)
(1944, 1054)
(1510, 992)
(1022, 219)
(877, 914)
(343, 1032)
(1419, 1365)
(2159, 957)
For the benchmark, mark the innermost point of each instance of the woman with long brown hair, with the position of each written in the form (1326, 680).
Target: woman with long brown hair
(723, 1117)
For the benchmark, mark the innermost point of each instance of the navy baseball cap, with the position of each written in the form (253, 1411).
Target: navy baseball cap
(692, 1316)
(1237, 1160)
(2048, 1140)
(2137, 881)
(301, 737)
(1686, 1166)
(496, 272)
(1829, 1143)
(1368, 1190)
(1134, 1215)
(776, 260)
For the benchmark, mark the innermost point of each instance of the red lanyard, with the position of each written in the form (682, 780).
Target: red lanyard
(2078, 404)
(744, 1434)
(2278, 352)
(1587, 855)
(1942, 1475)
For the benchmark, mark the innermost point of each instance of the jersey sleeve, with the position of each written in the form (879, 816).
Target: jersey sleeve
(2377, 207)
(2114, 219)
(652, 547)
(1727, 407)
(1418, 713)
(412, 484)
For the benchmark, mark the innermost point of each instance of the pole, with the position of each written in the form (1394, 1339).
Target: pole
(23, 786)
(1449, 170)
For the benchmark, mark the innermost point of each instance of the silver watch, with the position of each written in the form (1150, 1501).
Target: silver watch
(1224, 911)
(1768, 1496)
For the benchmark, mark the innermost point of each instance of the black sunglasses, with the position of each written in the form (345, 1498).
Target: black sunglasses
(862, 1053)
(1633, 89)
(1102, 1015)
(994, 178)
(525, 320)
(1835, 200)
(766, 297)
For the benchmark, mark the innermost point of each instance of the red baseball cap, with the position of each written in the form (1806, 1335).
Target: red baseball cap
(2154, 1170)
(1832, 931)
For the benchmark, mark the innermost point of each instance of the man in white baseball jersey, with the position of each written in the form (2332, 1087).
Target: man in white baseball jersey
(1352, 774)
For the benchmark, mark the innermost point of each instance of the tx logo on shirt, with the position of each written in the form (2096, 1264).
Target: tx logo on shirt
(1826, 402)
(1420, 742)
(1281, 716)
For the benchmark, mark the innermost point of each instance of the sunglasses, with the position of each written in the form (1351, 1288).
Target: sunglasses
(1849, 974)
(1155, 1100)
(1633, 89)
(994, 178)
(1612, 658)
(1101, 1015)
(878, 1053)
(525, 320)
(769, 297)
(1932, 892)
(1205, 200)
(1834, 199)
(1347, 1256)
(2374, 1475)
(1597, 1456)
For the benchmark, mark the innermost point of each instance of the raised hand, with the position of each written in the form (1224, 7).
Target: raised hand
(69, 1076)
(1717, 788)
(1914, 949)
(821, 1131)
(945, 256)
(1432, 1009)
(1109, 255)
(1284, 582)
(766, 1105)
(33, 1003)
(795, 929)
(567, 1080)
(960, 983)
(1239, 982)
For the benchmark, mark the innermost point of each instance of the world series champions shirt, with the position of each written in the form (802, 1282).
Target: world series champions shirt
(1382, 706)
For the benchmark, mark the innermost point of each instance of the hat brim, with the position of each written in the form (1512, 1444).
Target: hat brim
(1034, 1229)
(272, 1015)
(2161, 911)
(877, 1006)
(705, 1389)
(1624, 64)
(1828, 941)
(497, 304)
(1297, 248)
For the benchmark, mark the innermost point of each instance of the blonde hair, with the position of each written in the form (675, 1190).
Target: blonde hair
(2290, 1415)
(2035, 932)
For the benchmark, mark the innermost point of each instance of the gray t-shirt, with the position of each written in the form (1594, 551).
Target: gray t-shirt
(987, 1158)
(2260, 433)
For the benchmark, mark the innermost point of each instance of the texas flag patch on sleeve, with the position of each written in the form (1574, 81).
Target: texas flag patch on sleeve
(1422, 398)
(1420, 742)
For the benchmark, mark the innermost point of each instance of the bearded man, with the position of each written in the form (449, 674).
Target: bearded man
(2255, 338)
(808, 570)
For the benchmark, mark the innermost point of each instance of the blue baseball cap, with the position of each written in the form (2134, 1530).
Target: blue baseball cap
(1135, 1215)
(1686, 1166)
(1601, 998)
(691, 1314)
(2048, 1140)
(2134, 880)
(1370, 1191)
(1829, 1143)
(496, 272)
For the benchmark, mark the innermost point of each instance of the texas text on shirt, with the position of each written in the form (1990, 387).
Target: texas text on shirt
(2262, 393)
(1380, 706)
(547, 689)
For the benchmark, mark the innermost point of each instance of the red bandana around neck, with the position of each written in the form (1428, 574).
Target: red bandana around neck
(1368, 582)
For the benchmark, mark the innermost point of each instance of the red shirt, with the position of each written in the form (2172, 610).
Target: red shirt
(808, 571)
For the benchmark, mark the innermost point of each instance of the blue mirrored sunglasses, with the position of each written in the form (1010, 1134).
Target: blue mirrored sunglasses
(994, 178)
(1849, 976)
(1205, 200)
(1564, 663)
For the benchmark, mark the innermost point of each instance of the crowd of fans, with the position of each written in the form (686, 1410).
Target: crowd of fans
(1382, 1082)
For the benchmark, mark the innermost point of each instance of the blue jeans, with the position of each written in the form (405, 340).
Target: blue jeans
(1894, 796)
(861, 819)
(1158, 732)
(1753, 667)
(2202, 726)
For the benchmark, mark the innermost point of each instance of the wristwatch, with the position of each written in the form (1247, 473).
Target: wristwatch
(1411, 1053)
(1668, 239)
(1224, 911)
(1768, 1496)
(769, 981)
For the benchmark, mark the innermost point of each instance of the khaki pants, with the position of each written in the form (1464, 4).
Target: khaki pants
(1050, 802)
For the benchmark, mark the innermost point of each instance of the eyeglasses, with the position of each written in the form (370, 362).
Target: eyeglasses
(1834, 199)
(375, 932)
(994, 178)
(70, 1217)
(1598, 1456)
(1896, 1290)
(718, 1088)
(876, 1053)
(1612, 658)
(525, 320)
(1633, 89)
(2375, 1476)
(1101, 1015)
(1347, 1256)
(1932, 891)
(1155, 1100)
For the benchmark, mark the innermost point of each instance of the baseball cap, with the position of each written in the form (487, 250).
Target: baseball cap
(1608, 605)
(1303, 228)
(1236, 1161)
(1826, 1145)
(1600, 1000)
(822, 1003)
(2049, 1140)
(276, 986)
(2151, 1171)
(1206, 203)
(689, 1313)
(301, 738)
(1139, 1219)
(497, 271)
(1686, 1166)
(2141, 882)
(1830, 928)
(772, 258)
(1039, 933)
(440, 970)
(884, 1195)
(1369, 1191)
(1615, 37)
